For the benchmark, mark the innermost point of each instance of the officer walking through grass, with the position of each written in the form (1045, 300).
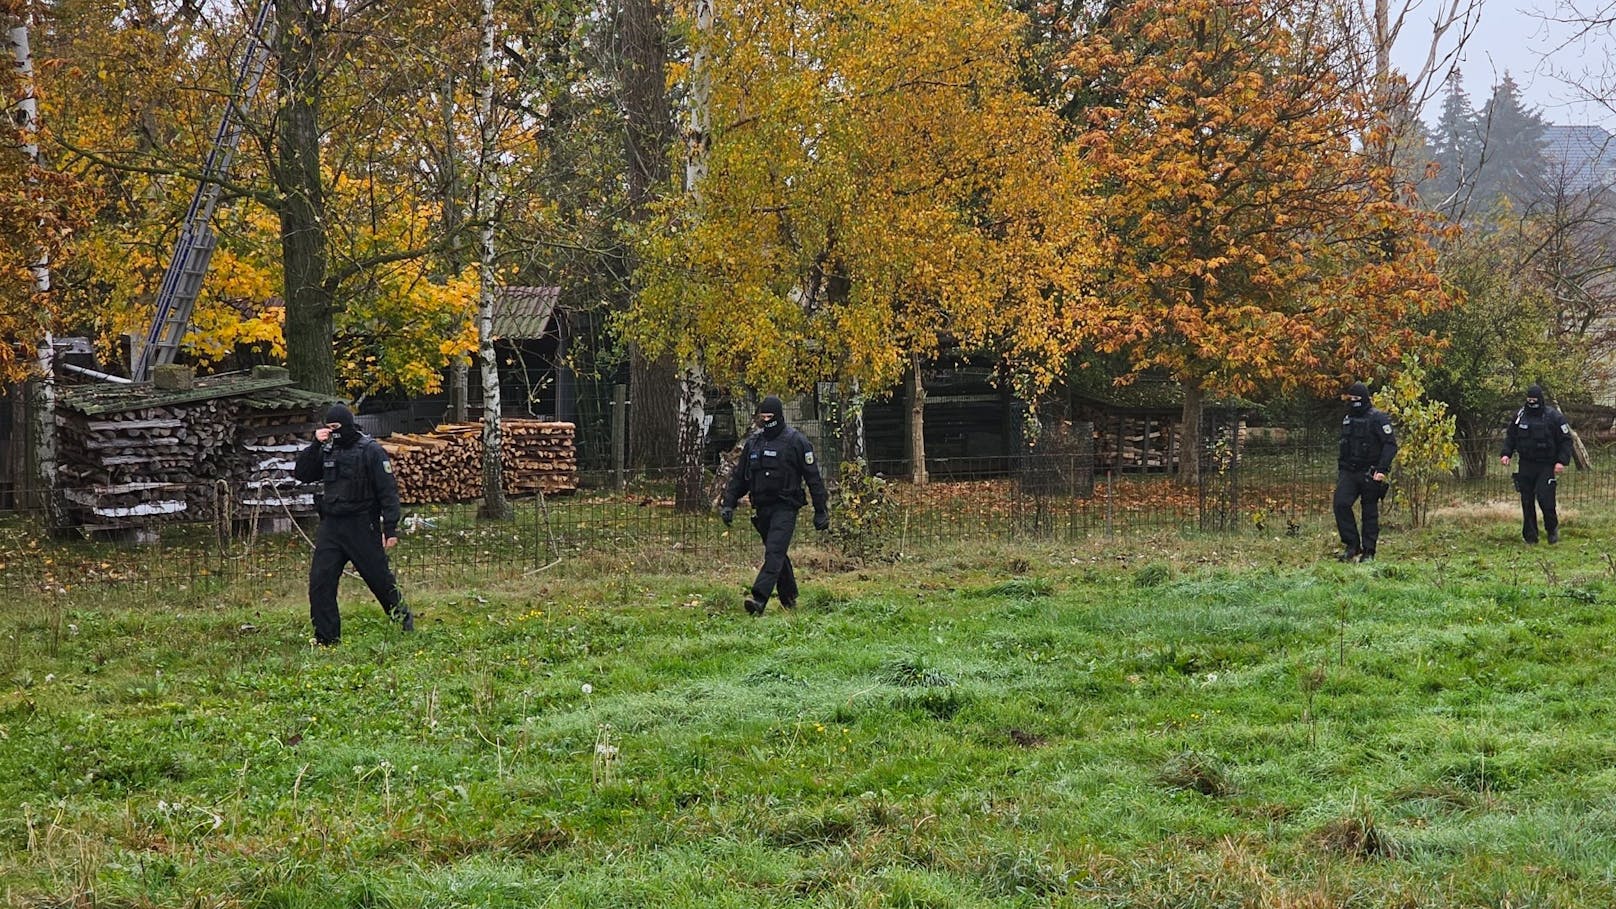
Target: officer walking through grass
(1541, 438)
(775, 463)
(1367, 448)
(359, 516)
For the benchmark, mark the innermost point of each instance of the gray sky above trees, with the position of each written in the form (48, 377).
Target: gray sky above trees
(1532, 41)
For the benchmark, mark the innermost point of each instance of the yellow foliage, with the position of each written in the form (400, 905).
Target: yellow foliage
(878, 179)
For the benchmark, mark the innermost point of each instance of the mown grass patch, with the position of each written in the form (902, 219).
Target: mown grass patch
(1187, 722)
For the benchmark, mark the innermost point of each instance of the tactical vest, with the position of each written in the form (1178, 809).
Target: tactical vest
(1534, 435)
(1360, 443)
(348, 488)
(772, 470)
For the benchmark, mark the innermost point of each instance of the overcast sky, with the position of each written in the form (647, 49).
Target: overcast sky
(1523, 38)
(1531, 41)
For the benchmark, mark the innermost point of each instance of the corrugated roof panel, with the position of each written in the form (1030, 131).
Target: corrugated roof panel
(523, 313)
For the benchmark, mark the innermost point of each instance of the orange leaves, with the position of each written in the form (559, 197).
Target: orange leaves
(1241, 213)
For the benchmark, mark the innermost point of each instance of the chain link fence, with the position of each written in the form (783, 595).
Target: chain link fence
(1269, 486)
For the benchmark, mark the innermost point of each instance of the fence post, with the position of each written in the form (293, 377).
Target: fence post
(1110, 503)
(619, 433)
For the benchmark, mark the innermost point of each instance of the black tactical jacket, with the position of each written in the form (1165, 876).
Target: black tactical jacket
(1543, 436)
(358, 479)
(772, 471)
(1367, 442)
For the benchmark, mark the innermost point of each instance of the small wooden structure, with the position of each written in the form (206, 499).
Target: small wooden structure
(134, 456)
(1139, 427)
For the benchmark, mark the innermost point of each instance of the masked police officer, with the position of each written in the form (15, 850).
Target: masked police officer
(775, 462)
(1367, 449)
(1541, 436)
(359, 516)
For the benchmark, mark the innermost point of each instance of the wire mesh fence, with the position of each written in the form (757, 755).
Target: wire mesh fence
(631, 521)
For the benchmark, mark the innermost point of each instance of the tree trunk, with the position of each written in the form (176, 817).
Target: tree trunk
(653, 412)
(692, 375)
(309, 314)
(854, 448)
(1475, 449)
(692, 437)
(25, 115)
(653, 433)
(1189, 452)
(917, 423)
(495, 506)
(647, 126)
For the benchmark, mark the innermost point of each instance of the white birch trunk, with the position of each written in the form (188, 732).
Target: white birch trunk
(26, 111)
(494, 504)
(854, 449)
(692, 377)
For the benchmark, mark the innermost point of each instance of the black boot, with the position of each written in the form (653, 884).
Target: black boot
(1350, 554)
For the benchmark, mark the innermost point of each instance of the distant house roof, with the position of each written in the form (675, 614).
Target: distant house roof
(523, 313)
(1580, 157)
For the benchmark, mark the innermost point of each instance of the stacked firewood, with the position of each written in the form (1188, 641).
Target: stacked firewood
(144, 462)
(436, 467)
(538, 456)
(446, 465)
(267, 445)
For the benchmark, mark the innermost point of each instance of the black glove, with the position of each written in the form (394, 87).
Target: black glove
(726, 514)
(821, 520)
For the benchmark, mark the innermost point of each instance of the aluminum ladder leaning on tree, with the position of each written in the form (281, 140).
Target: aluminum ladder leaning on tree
(182, 282)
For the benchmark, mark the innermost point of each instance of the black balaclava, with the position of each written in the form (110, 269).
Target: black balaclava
(348, 433)
(1360, 391)
(1534, 398)
(772, 414)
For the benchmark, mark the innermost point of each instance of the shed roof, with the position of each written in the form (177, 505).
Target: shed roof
(523, 312)
(263, 393)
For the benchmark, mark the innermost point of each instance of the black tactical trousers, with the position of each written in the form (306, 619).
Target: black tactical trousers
(775, 524)
(1351, 485)
(342, 539)
(1537, 484)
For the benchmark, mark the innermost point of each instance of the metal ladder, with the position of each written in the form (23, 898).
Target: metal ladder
(182, 282)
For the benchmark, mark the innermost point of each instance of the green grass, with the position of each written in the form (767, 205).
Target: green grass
(1178, 721)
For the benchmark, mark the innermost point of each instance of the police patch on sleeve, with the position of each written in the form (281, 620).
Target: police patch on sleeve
(1565, 428)
(387, 465)
(1387, 429)
(808, 457)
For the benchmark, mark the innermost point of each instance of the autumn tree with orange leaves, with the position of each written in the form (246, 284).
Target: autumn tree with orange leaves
(1249, 244)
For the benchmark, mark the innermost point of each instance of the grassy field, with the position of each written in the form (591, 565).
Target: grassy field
(1176, 721)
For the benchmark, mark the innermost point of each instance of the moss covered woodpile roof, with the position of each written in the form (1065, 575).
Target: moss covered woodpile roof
(267, 393)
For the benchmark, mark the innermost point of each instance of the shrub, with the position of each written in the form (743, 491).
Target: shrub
(861, 524)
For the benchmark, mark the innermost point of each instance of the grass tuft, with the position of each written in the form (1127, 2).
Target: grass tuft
(1196, 771)
(1357, 836)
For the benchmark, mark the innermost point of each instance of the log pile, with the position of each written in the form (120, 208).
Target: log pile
(446, 465)
(143, 464)
(538, 457)
(270, 434)
(135, 455)
(436, 466)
